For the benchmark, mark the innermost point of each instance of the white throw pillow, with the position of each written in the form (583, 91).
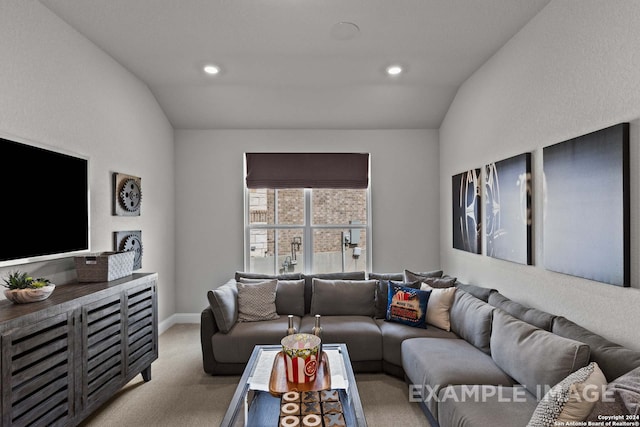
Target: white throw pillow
(439, 305)
(572, 399)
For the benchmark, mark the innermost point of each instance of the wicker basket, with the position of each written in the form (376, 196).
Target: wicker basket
(104, 266)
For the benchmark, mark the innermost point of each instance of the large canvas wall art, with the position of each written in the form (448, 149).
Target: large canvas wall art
(586, 212)
(467, 223)
(507, 215)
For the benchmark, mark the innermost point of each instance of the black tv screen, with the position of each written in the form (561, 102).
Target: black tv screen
(45, 208)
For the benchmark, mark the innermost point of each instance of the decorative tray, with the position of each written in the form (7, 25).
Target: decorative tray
(278, 384)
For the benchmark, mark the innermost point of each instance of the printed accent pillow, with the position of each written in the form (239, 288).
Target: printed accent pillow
(439, 305)
(407, 305)
(572, 399)
(257, 301)
(382, 294)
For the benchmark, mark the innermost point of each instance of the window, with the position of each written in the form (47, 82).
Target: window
(306, 230)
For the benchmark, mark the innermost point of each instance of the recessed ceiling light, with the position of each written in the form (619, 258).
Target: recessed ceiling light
(394, 70)
(211, 69)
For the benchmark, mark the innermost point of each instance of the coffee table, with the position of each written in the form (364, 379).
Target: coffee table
(253, 405)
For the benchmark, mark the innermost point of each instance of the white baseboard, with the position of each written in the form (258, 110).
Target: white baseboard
(178, 318)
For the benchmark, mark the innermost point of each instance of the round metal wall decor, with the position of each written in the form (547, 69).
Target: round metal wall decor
(129, 241)
(127, 192)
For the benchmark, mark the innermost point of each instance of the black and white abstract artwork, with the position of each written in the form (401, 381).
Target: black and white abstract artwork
(467, 224)
(507, 216)
(586, 206)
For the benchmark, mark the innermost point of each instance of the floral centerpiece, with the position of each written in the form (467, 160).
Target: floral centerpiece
(23, 288)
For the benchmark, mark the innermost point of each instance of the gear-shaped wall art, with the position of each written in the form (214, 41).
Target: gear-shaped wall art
(130, 241)
(127, 195)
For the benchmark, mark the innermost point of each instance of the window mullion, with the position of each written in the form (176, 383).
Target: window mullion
(308, 234)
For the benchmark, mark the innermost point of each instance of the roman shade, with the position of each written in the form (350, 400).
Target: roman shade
(307, 170)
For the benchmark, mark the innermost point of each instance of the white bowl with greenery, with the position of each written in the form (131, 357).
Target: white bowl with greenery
(22, 288)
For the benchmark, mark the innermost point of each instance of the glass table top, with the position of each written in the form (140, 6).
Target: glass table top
(253, 405)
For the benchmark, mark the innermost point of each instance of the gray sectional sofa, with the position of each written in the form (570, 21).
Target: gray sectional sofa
(491, 368)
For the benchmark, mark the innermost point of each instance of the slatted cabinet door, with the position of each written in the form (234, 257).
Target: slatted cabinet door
(102, 340)
(142, 331)
(37, 373)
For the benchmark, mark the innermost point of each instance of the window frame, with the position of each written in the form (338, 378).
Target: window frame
(308, 230)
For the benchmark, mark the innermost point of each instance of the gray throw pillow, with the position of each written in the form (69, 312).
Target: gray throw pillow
(612, 405)
(536, 358)
(343, 297)
(257, 301)
(382, 291)
(224, 305)
(440, 282)
(289, 295)
(410, 276)
(628, 388)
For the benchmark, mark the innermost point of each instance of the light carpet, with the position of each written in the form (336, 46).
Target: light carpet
(180, 393)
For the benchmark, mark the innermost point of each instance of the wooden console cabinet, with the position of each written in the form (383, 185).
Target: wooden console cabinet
(65, 356)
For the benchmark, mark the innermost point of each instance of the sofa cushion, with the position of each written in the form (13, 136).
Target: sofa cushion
(343, 297)
(289, 296)
(532, 356)
(410, 276)
(530, 315)
(246, 275)
(308, 283)
(440, 303)
(496, 406)
(571, 400)
(471, 320)
(257, 301)
(360, 333)
(394, 333)
(622, 396)
(224, 305)
(628, 387)
(477, 291)
(434, 363)
(614, 359)
(610, 403)
(237, 345)
(439, 282)
(383, 290)
(407, 305)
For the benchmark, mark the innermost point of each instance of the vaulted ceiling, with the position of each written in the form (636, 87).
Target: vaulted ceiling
(300, 63)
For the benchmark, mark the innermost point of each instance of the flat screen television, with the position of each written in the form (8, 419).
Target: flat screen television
(45, 203)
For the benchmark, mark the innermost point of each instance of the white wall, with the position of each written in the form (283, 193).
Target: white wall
(59, 89)
(572, 70)
(209, 198)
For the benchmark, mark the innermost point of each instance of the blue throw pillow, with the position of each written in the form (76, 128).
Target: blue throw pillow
(407, 305)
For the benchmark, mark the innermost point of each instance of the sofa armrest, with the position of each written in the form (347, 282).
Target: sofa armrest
(208, 328)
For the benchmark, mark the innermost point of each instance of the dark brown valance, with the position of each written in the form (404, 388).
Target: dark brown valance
(307, 170)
